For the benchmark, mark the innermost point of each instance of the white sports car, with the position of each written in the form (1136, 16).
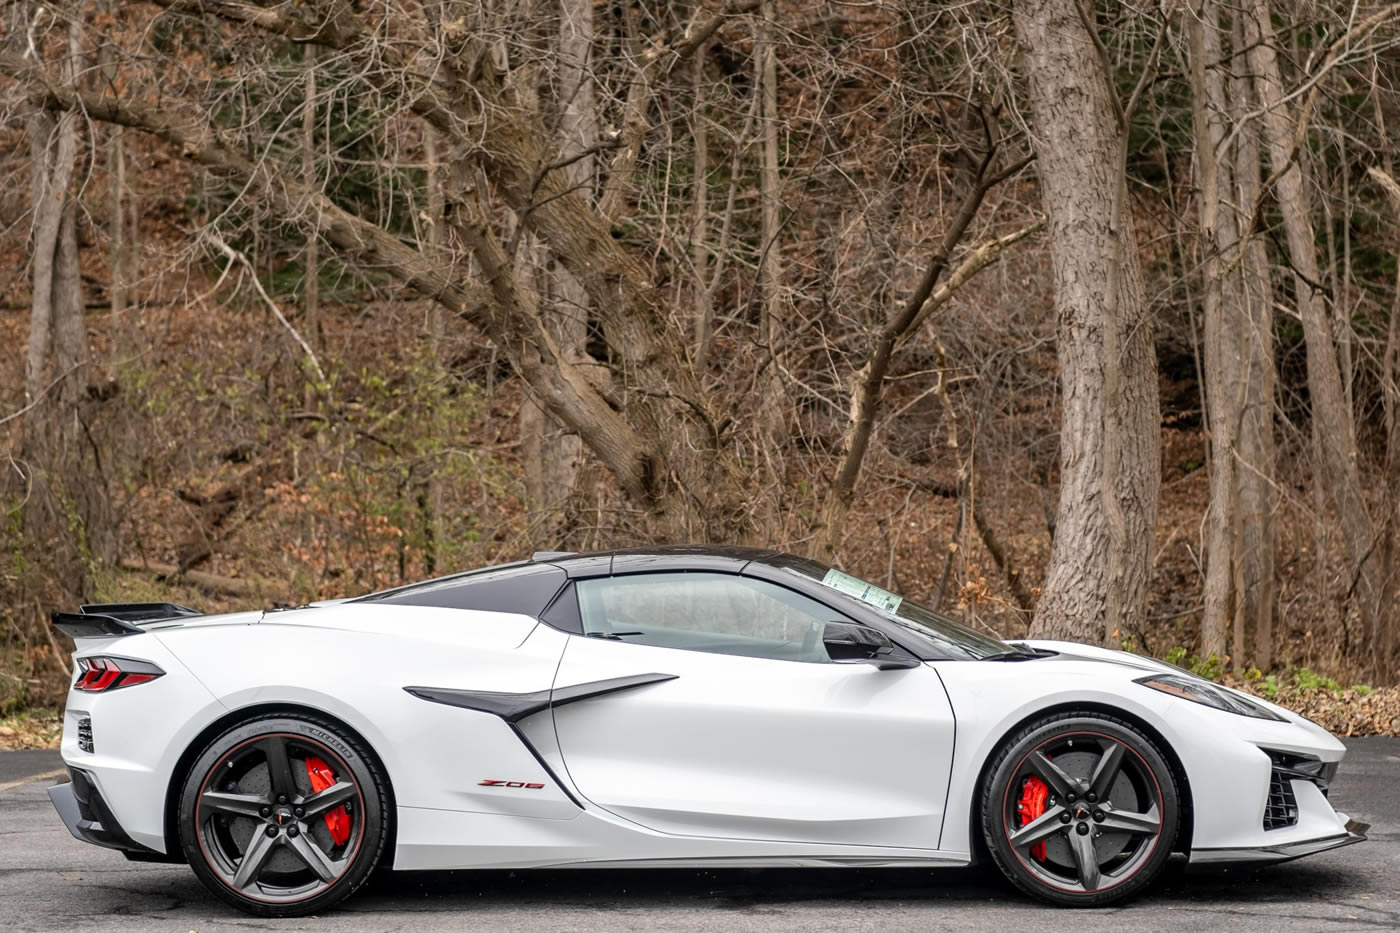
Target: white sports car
(663, 707)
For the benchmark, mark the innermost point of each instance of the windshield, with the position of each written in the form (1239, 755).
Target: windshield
(942, 636)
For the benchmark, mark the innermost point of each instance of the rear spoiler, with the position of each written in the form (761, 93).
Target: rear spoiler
(97, 620)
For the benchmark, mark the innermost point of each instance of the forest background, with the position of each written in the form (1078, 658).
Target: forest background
(1069, 319)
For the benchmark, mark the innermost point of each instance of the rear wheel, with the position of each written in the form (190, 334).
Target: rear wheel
(1080, 810)
(283, 816)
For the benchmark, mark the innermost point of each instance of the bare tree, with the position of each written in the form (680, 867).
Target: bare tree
(1332, 423)
(56, 364)
(1256, 470)
(553, 453)
(311, 323)
(1110, 469)
(116, 206)
(1224, 321)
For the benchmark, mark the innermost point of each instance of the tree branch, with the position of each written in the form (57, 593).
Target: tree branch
(235, 256)
(973, 263)
(657, 61)
(869, 381)
(505, 315)
(1314, 84)
(510, 140)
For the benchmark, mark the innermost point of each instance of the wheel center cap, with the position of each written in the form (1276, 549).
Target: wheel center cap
(283, 816)
(1080, 813)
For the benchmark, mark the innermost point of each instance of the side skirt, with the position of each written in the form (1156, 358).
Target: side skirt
(779, 861)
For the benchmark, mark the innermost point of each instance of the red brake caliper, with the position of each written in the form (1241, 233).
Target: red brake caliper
(1031, 807)
(337, 820)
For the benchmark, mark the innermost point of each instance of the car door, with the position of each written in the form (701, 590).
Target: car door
(757, 734)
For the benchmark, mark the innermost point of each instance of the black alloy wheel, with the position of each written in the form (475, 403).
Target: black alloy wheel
(1080, 810)
(283, 816)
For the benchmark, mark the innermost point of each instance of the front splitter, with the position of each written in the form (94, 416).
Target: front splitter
(1284, 852)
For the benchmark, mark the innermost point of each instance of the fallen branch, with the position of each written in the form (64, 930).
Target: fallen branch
(213, 582)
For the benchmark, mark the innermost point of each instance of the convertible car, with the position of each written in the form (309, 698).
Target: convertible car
(653, 708)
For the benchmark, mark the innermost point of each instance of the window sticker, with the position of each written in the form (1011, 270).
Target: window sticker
(865, 592)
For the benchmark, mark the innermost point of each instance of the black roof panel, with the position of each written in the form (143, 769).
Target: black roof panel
(522, 587)
(667, 557)
(528, 586)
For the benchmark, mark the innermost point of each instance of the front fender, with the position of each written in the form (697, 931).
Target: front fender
(1220, 753)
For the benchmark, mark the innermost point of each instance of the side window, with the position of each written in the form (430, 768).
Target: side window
(714, 612)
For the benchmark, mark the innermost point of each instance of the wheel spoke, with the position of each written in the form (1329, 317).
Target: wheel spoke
(279, 767)
(1110, 763)
(235, 804)
(1085, 859)
(321, 801)
(260, 846)
(1038, 829)
(316, 860)
(1139, 824)
(1049, 772)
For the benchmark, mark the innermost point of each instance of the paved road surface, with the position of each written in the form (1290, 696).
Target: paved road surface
(51, 882)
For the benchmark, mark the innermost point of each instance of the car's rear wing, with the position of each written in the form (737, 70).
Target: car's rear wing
(98, 620)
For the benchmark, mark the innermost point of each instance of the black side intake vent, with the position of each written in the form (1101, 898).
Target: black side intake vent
(85, 734)
(1282, 809)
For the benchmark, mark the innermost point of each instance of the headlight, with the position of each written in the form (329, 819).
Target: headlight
(1206, 693)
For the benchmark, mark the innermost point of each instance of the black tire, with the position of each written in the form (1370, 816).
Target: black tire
(1110, 814)
(311, 848)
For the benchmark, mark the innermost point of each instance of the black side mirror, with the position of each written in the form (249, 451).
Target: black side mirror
(851, 641)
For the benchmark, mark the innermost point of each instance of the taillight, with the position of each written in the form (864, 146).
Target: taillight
(99, 674)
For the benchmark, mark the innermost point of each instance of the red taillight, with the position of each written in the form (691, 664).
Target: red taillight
(98, 674)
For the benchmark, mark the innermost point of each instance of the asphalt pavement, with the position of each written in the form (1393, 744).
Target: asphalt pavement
(51, 882)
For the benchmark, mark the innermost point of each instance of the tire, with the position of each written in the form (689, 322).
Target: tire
(1100, 826)
(312, 840)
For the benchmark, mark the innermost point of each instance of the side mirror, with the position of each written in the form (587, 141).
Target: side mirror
(853, 642)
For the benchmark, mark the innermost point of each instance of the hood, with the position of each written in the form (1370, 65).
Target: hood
(1070, 650)
(1135, 666)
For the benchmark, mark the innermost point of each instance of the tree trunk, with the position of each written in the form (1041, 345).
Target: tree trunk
(772, 406)
(1337, 471)
(311, 322)
(70, 344)
(1390, 401)
(116, 221)
(1097, 581)
(435, 527)
(699, 228)
(554, 453)
(56, 316)
(49, 184)
(1255, 443)
(1222, 323)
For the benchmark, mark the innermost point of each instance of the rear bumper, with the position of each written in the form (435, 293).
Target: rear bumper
(1283, 852)
(89, 819)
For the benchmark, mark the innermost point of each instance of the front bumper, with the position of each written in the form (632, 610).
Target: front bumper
(1282, 852)
(89, 819)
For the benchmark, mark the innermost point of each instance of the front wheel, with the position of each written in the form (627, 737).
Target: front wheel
(283, 816)
(1080, 810)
